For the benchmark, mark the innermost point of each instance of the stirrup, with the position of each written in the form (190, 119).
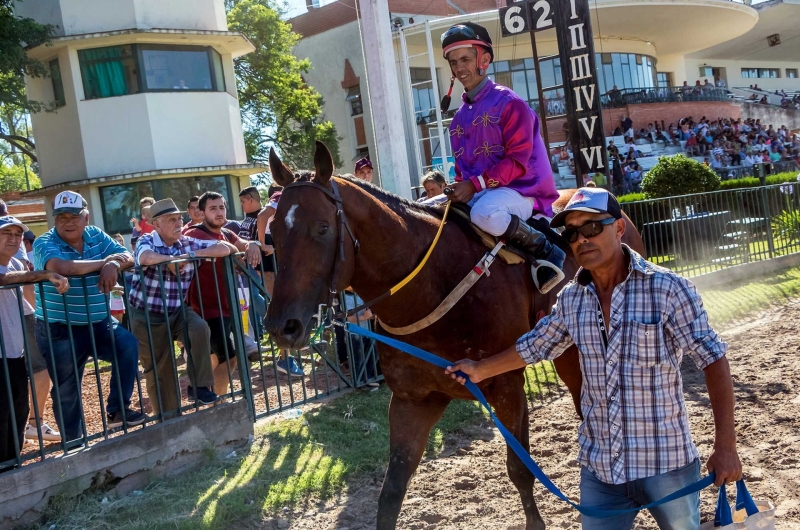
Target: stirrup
(552, 282)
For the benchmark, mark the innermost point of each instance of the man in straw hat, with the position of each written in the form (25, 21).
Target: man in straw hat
(157, 295)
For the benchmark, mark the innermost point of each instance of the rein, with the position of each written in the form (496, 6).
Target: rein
(333, 194)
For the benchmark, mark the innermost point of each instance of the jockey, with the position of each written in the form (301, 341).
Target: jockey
(502, 167)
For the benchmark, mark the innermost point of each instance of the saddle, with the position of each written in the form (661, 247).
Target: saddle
(509, 254)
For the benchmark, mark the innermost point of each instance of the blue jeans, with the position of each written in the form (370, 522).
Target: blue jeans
(680, 514)
(66, 388)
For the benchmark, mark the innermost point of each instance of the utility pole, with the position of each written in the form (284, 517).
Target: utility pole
(384, 97)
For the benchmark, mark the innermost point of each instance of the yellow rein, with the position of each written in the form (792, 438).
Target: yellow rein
(411, 276)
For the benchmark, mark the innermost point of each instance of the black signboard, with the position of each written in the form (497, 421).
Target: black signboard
(581, 91)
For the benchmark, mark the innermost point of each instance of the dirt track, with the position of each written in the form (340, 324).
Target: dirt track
(467, 486)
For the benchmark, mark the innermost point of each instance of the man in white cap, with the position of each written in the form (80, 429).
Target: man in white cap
(14, 413)
(74, 248)
(632, 321)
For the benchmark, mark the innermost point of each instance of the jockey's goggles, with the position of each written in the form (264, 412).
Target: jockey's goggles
(587, 230)
(463, 36)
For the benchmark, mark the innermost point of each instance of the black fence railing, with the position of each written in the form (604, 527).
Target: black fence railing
(702, 233)
(135, 357)
(681, 94)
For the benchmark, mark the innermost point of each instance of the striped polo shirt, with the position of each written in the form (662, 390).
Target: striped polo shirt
(97, 245)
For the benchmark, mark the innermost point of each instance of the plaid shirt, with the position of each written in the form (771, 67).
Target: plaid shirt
(635, 421)
(152, 287)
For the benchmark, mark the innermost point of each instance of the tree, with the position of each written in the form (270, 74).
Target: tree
(679, 175)
(278, 108)
(12, 178)
(17, 33)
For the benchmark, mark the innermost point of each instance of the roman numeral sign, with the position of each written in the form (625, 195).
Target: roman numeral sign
(584, 114)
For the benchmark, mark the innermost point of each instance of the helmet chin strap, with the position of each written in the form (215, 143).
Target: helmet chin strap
(481, 71)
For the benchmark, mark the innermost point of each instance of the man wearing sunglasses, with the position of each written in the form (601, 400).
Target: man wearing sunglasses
(632, 321)
(502, 167)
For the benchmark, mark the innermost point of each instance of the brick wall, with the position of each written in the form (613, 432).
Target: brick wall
(645, 113)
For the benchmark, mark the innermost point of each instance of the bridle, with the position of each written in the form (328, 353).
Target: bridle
(333, 195)
(344, 225)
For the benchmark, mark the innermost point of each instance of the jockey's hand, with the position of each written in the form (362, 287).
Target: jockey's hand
(462, 191)
(468, 367)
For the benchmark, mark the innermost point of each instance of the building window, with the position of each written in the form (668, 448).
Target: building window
(362, 152)
(422, 92)
(354, 97)
(791, 73)
(761, 73)
(169, 68)
(108, 72)
(58, 84)
(121, 202)
(664, 79)
(130, 69)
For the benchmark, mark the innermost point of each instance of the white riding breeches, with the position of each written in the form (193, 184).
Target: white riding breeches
(492, 209)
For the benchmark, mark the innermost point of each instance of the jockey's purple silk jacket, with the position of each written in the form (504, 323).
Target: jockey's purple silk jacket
(496, 142)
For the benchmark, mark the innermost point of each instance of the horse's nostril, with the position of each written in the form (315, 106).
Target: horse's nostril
(292, 328)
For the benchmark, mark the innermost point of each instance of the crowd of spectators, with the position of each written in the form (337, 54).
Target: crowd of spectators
(51, 337)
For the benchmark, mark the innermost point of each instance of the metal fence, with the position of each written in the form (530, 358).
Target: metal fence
(149, 361)
(702, 233)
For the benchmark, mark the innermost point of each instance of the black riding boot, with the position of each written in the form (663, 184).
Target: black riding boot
(547, 259)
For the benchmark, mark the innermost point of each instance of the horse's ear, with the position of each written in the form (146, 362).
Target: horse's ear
(280, 174)
(323, 164)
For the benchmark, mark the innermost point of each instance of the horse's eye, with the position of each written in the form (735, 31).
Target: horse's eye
(323, 230)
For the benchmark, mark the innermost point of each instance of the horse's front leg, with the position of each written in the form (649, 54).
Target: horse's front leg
(410, 422)
(507, 397)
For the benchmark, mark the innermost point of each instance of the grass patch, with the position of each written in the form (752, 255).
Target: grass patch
(726, 304)
(292, 463)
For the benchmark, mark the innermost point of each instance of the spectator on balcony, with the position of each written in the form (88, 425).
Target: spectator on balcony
(764, 100)
(157, 297)
(213, 295)
(720, 83)
(707, 87)
(74, 248)
(14, 412)
(615, 97)
(195, 215)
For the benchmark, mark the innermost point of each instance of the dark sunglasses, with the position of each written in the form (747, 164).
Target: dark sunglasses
(460, 30)
(588, 230)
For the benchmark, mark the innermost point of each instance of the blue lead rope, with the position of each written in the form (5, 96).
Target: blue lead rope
(512, 442)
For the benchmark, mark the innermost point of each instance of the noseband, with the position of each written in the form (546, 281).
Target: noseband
(333, 195)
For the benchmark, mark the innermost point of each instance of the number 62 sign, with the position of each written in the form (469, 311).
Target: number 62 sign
(533, 15)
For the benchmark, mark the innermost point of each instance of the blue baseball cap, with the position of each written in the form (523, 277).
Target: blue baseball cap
(10, 220)
(593, 200)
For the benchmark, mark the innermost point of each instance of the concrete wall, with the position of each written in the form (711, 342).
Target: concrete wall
(124, 463)
(328, 52)
(139, 132)
(770, 114)
(733, 72)
(110, 15)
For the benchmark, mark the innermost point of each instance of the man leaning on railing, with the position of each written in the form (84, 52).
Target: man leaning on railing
(154, 287)
(67, 325)
(14, 413)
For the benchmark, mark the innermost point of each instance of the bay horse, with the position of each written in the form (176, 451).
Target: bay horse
(394, 235)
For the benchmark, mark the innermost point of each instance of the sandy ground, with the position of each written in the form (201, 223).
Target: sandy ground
(467, 487)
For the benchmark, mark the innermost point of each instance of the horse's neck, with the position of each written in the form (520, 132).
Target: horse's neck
(393, 240)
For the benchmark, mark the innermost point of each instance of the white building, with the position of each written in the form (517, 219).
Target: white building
(641, 45)
(147, 104)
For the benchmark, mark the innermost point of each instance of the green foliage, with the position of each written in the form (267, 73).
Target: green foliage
(278, 108)
(787, 225)
(14, 61)
(753, 182)
(679, 175)
(631, 197)
(12, 178)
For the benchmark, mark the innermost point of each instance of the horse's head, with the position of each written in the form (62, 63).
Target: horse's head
(306, 234)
